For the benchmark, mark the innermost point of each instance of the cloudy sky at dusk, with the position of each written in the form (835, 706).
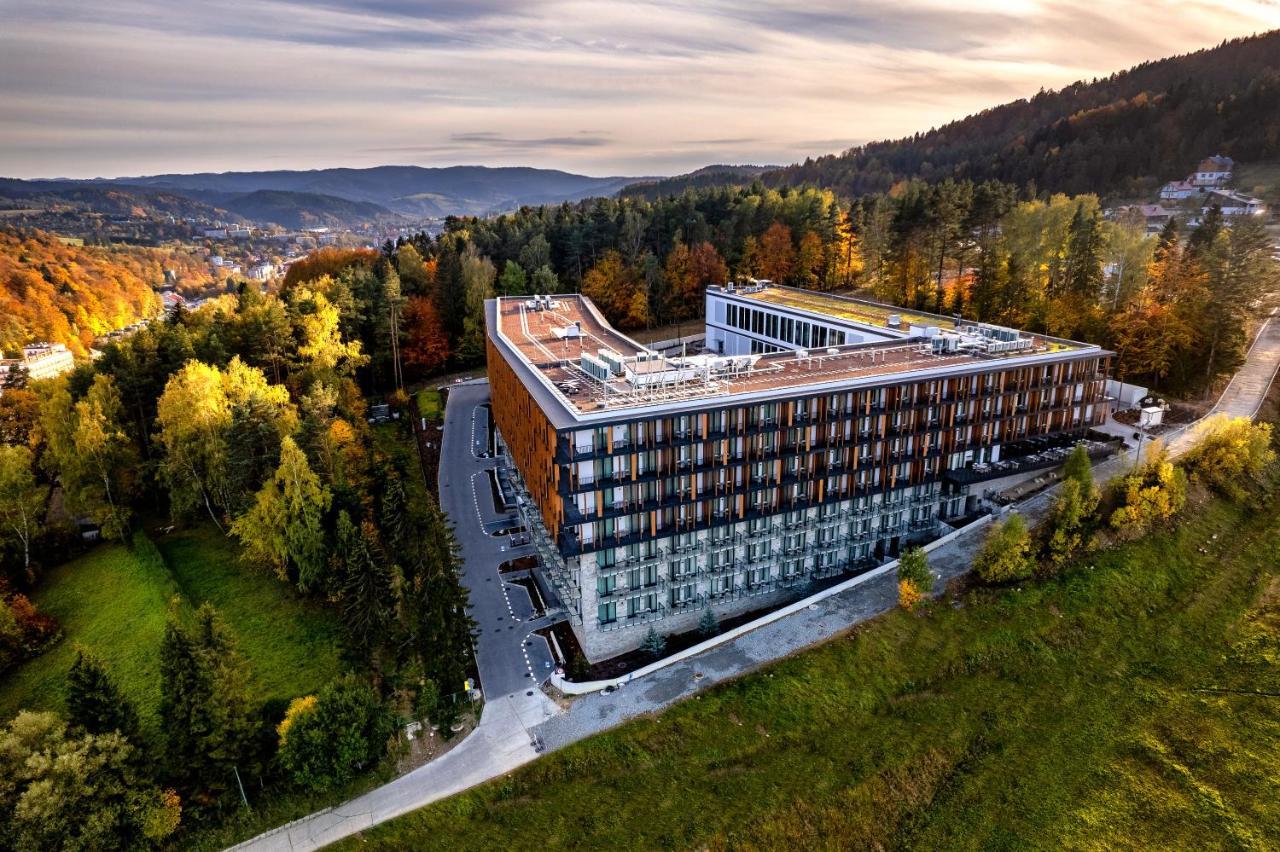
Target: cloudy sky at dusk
(145, 86)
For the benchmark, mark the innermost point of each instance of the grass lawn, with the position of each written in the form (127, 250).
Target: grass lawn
(114, 602)
(429, 404)
(1130, 703)
(291, 643)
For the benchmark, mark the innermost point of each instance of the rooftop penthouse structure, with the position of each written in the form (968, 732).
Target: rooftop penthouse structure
(814, 438)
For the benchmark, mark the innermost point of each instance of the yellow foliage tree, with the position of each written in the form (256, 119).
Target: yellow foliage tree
(1154, 492)
(908, 595)
(1230, 451)
(297, 707)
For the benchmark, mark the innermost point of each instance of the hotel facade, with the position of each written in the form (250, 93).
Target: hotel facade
(814, 438)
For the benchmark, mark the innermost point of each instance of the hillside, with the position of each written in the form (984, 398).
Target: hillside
(306, 209)
(715, 175)
(72, 294)
(408, 190)
(108, 199)
(1122, 135)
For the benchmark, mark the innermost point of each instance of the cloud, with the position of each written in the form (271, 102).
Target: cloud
(137, 86)
(497, 140)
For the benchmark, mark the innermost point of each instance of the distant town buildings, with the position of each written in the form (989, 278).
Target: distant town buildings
(40, 361)
(263, 272)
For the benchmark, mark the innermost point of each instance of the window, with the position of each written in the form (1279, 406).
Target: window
(608, 612)
(607, 584)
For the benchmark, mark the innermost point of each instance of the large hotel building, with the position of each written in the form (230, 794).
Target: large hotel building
(813, 438)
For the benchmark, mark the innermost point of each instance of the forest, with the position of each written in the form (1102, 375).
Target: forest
(1120, 136)
(1176, 307)
(248, 420)
(51, 291)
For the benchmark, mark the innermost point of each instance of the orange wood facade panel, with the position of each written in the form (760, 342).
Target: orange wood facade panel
(529, 436)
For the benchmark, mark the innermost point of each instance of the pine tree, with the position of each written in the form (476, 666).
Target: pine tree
(434, 603)
(393, 515)
(708, 626)
(94, 703)
(204, 704)
(364, 583)
(653, 643)
(1084, 254)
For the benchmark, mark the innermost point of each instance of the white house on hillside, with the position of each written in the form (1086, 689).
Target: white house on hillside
(1176, 190)
(1233, 203)
(1213, 171)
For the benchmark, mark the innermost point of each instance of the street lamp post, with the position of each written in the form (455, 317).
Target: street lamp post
(1140, 435)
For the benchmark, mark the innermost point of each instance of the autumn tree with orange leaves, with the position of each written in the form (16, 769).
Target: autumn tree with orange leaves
(777, 255)
(426, 346)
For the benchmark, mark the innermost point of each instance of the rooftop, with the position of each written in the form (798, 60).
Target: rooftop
(842, 307)
(580, 368)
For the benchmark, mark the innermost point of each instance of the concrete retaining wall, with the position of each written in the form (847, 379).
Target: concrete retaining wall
(571, 688)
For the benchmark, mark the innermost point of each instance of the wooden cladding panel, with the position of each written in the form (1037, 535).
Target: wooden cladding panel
(529, 435)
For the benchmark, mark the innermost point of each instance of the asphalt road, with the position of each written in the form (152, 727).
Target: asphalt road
(510, 658)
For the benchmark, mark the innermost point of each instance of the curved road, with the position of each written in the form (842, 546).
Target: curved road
(517, 726)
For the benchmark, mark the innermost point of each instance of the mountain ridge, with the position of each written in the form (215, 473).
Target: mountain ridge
(1119, 135)
(339, 195)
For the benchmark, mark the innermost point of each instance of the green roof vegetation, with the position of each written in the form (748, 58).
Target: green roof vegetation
(856, 311)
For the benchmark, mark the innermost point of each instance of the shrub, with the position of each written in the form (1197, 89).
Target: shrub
(914, 566)
(1229, 452)
(579, 669)
(426, 703)
(908, 594)
(1069, 523)
(1006, 554)
(24, 631)
(1154, 492)
(328, 743)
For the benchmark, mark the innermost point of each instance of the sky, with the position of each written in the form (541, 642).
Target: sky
(128, 87)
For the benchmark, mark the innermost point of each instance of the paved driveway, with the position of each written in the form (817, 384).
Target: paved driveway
(510, 659)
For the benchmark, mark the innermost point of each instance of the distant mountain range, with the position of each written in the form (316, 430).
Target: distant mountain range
(323, 197)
